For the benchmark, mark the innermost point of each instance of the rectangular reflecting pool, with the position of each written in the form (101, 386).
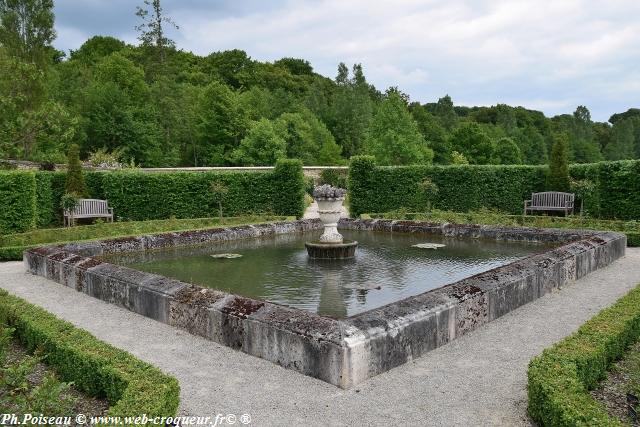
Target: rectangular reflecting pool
(341, 322)
(387, 268)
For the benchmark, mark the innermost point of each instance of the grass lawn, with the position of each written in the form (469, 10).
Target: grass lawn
(12, 245)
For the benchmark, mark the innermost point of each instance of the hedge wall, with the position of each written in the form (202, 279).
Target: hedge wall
(29, 199)
(17, 202)
(559, 379)
(131, 386)
(466, 188)
(141, 196)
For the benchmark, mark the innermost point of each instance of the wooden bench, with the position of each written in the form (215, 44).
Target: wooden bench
(550, 201)
(88, 208)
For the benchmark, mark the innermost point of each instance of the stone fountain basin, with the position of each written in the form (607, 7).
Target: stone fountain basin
(321, 250)
(341, 352)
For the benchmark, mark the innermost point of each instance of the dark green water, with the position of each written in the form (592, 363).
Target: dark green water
(277, 269)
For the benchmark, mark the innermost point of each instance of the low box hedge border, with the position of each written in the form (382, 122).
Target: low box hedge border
(559, 380)
(131, 386)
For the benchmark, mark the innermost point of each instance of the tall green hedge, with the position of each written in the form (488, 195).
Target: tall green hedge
(466, 188)
(28, 199)
(141, 196)
(17, 201)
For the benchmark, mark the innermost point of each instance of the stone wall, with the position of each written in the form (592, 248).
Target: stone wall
(341, 352)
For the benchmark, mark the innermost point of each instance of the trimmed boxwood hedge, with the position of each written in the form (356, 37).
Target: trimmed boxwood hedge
(131, 386)
(559, 379)
(464, 188)
(141, 196)
(136, 195)
(17, 201)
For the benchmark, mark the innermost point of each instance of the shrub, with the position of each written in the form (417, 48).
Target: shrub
(75, 176)
(558, 178)
(334, 177)
(131, 386)
(559, 379)
(463, 188)
(17, 201)
(69, 201)
(136, 195)
(140, 196)
(288, 187)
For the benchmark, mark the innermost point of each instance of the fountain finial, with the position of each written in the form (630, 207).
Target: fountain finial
(331, 244)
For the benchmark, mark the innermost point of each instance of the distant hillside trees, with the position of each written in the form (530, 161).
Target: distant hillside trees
(156, 105)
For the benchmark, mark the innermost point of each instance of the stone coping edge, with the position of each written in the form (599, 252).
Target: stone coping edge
(341, 352)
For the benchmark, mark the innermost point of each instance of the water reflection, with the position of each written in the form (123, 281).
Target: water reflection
(386, 268)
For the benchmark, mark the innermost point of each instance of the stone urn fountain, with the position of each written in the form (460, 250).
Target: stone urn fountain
(331, 244)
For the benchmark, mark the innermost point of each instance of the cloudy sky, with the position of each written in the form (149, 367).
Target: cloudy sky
(549, 55)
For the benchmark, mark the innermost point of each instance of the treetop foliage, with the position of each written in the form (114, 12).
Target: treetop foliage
(157, 105)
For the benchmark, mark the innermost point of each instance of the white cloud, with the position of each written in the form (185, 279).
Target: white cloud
(551, 55)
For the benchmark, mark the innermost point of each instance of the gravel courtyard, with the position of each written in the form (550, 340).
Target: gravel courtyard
(479, 379)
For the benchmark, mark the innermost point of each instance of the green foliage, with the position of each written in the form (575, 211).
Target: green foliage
(18, 390)
(334, 177)
(445, 112)
(394, 138)
(362, 183)
(141, 196)
(559, 379)
(160, 196)
(12, 246)
(69, 201)
(458, 158)
(467, 188)
(307, 139)
(288, 188)
(475, 145)
(118, 116)
(130, 385)
(622, 144)
(618, 189)
(75, 175)
(262, 146)
(532, 145)
(492, 217)
(507, 152)
(17, 201)
(26, 30)
(221, 124)
(558, 178)
(433, 133)
(351, 110)
(45, 211)
(96, 48)
(461, 188)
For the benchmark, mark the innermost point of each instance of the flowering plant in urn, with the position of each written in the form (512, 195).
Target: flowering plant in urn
(329, 201)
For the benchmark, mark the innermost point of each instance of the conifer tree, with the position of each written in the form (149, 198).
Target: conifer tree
(558, 178)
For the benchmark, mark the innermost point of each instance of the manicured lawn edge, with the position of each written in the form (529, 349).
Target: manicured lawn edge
(131, 386)
(492, 218)
(559, 379)
(65, 235)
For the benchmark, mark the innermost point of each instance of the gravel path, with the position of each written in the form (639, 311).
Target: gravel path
(478, 379)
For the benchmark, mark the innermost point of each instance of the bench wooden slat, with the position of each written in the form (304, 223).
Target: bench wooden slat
(89, 208)
(550, 201)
